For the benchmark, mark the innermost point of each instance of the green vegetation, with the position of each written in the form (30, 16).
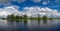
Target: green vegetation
(44, 17)
(25, 17)
(13, 17)
(39, 18)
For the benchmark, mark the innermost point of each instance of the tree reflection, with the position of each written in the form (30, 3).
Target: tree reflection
(14, 20)
(18, 20)
(39, 21)
(25, 24)
(44, 21)
(10, 20)
(25, 21)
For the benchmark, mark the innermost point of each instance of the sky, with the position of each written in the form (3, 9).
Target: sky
(51, 8)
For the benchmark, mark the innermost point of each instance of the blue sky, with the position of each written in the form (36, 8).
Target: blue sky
(30, 7)
(53, 4)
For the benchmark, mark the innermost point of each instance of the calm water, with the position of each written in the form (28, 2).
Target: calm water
(30, 25)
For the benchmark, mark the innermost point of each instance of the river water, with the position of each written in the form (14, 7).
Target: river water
(30, 25)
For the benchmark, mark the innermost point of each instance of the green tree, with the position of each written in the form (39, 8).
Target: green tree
(12, 16)
(31, 17)
(8, 17)
(17, 17)
(25, 16)
(50, 18)
(39, 18)
(20, 17)
(44, 17)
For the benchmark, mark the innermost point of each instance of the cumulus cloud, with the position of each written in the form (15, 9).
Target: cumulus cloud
(29, 11)
(42, 11)
(9, 10)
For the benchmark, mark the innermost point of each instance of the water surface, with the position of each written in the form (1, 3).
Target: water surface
(30, 25)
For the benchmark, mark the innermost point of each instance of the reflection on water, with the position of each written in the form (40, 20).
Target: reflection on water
(39, 21)
(25, 21)
(29, 25)
(44, 21)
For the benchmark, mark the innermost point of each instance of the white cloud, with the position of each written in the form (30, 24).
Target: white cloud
(57, 1)
(36, 1)
(30, 11)
(20, 1)
(4, 2)
(42, 11)
(44, 3)
(8, 2)
(9, 10)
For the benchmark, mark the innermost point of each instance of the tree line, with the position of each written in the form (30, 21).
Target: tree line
(12, 16)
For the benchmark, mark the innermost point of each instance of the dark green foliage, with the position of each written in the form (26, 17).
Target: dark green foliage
(39, 18)
(25, 16)
(11, 16)
(44, 17)
(3, 18)
(20, 17)
(16, 17)
(8, 17)
(50, 18)
(31, 17)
